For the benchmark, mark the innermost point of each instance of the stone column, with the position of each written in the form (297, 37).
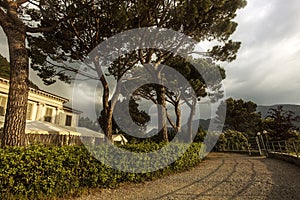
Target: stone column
(58, 116)
(54, 113)
(39, 111)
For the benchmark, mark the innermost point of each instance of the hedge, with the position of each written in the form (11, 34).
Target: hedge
(47, 172)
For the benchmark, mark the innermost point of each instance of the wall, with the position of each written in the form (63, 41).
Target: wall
(285, 157)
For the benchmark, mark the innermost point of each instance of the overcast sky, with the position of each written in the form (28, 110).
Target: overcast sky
(267, 69)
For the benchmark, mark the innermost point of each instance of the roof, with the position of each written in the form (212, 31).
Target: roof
(69, 109)
(40, 92)
(45, 128)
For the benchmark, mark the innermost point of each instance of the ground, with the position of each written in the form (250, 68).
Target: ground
(220, 176)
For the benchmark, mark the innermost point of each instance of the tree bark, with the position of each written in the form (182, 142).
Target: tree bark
(177, 125)
(15, 118)
(107, 123)
(190, 119)
(110, 111)
(178, 117)
(161, 111)
(108, 105)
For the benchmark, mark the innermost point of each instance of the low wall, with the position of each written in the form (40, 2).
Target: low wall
(285, 157)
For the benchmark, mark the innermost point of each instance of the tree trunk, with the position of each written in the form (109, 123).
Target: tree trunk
(107, 123)
(190, 120)
(15, 118)
(108, 106)
(177, 125)
(178, 117)
(110, 111)
(161, 111)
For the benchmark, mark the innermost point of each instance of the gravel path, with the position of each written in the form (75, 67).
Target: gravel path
(220, 176)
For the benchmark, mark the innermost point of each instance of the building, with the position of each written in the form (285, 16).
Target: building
(42, 106)
(48, 120)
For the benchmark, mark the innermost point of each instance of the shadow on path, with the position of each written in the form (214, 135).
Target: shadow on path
(220, 176)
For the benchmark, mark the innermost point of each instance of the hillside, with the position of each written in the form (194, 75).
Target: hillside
(264, 109)
(291, 107)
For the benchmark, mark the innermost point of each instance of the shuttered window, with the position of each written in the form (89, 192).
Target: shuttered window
(68, 120)
(48, 115)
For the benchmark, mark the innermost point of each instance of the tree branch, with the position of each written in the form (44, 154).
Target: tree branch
(20, 2)
(187, 101)
(42, 29)
(70, 69)
(170, 120)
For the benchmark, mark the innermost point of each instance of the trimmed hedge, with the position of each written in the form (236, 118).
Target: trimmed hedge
(46, 172)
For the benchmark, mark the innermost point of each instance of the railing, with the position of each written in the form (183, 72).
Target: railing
(260, 145)
(290, 147)
(250, 146)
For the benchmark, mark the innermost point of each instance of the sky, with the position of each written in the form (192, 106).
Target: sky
(267, 68)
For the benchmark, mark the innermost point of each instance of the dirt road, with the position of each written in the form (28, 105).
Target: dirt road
(220, 176)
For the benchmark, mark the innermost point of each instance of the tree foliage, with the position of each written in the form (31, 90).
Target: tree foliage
(204, 78)
(240, 116)
(279, 123)
(20, 19)
(70, 29)
(232, 140)
(74, 39)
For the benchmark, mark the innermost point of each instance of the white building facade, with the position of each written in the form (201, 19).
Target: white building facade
(42, 106)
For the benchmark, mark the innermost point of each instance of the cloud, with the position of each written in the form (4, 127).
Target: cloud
(267, 68)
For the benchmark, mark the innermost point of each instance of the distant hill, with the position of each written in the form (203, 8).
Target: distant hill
(203, 123)
(289, 107)
(264, 109)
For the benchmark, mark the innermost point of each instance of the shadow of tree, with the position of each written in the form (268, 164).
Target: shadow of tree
(241, 177)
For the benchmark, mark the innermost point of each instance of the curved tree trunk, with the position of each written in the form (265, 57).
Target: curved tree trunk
(108, 105)
(15, 118)
(177, 125)
(107, 124)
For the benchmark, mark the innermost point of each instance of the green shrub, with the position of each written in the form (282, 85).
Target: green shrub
(232, 140)
(46, 172)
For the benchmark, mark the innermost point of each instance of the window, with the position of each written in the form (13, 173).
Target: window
(2, 105)
(29, 111)
(48, 115)
(68, 120)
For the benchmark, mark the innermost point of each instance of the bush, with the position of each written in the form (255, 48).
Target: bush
(232, 140)
(45, 172)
